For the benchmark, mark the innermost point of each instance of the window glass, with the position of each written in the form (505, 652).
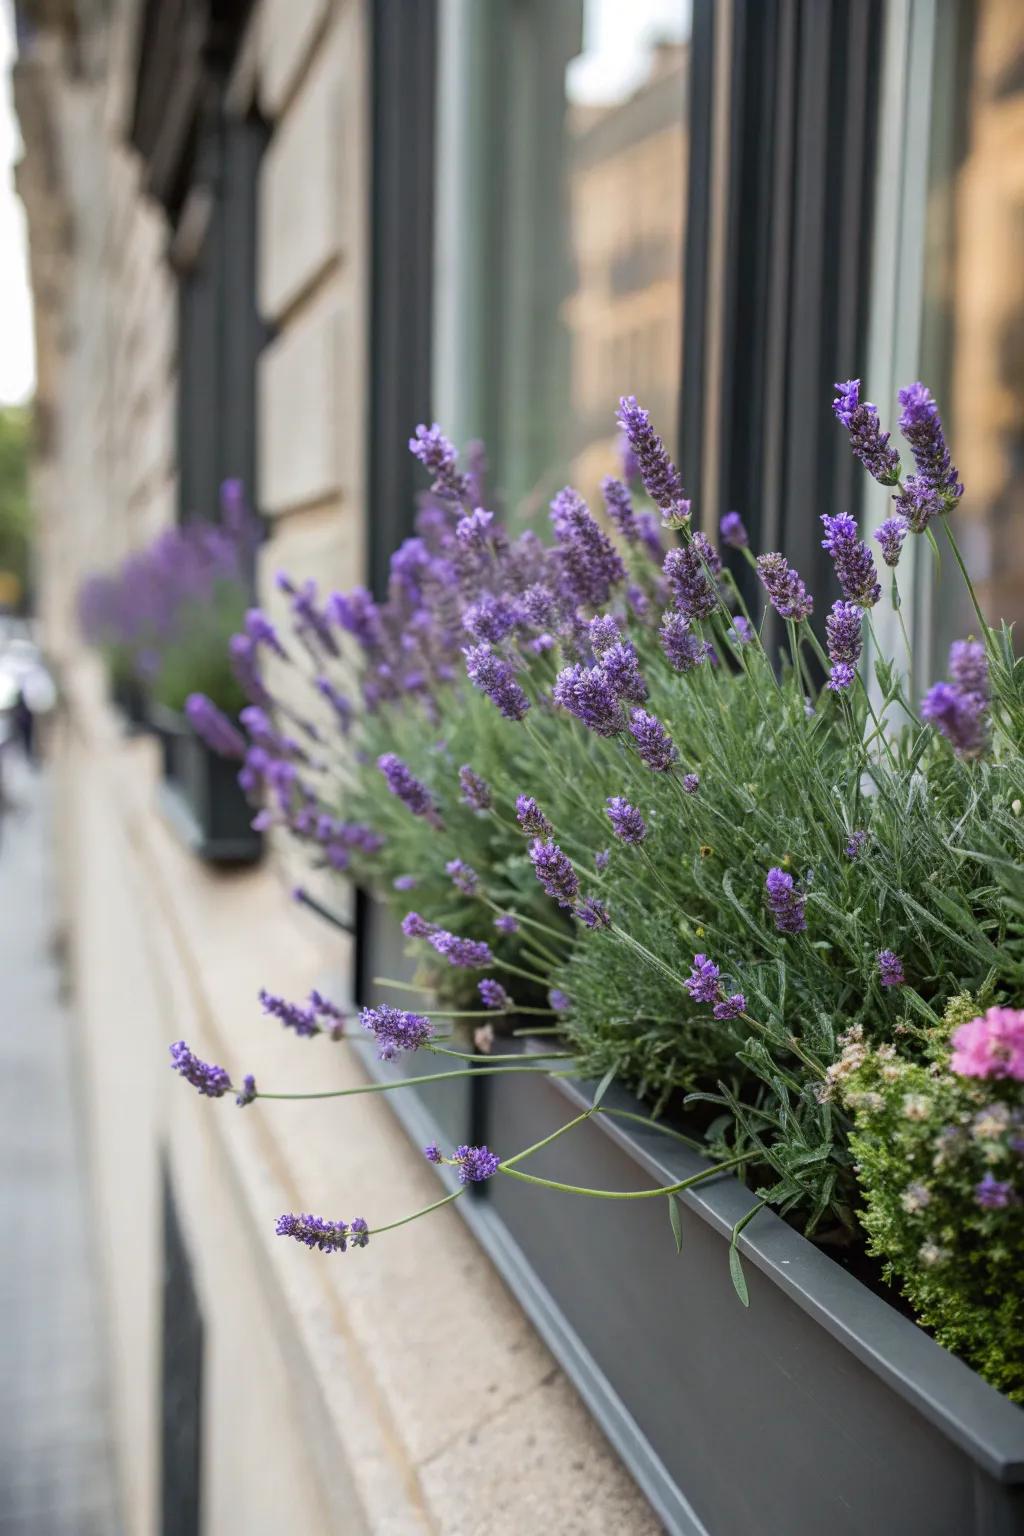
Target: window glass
(613, 320)
(975, 311)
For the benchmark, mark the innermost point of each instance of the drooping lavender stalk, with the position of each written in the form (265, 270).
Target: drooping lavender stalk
(493, 995)
(395, 1030)
(326, 1236)
(465, 954)
(297, 1016)
(212, 1082)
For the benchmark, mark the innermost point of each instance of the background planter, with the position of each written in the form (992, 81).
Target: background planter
(819, 1408)
(200, 795)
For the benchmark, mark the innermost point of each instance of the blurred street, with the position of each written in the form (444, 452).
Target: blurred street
(56, 1472)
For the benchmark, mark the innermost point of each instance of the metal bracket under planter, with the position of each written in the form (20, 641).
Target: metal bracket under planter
(201, 799)
(818, 1408)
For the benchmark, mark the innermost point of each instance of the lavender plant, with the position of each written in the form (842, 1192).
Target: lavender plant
(608, 805)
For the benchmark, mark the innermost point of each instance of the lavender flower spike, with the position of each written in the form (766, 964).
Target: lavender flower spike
(921, 425)
(788, 595)
(587, 693)
(395, 1030)
(627, 822)
(463, 876)
(475, 1164)
(890, 968)
(653, 743)
(403, 784)
(592, 913)
(467, 954)
(619, 506)
(661, 479)
(554, 871)
(213, 726)
(301, 1018)
(890, 536)
(686, 570)
(704, 981)
(786, 903)
(684, 649)
(732, 531)
(493, 995)
(212, 1082)
(326, 1236)
(531, 818)
(868, 441)
(493, 676)
(440, 460)
(843, 633)
(476, 792)
(854, 566)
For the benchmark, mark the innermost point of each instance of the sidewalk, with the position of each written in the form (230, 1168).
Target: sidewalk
(56, 1474)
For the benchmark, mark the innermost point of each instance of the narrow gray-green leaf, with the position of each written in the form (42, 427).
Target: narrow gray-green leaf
(738, 1278)
(604, 1085)
(676, 1220)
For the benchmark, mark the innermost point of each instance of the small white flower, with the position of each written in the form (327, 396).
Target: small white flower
(916, 1106)
(915, 1197)
(931, 1254)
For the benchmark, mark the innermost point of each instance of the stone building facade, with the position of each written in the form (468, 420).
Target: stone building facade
(255, 1388)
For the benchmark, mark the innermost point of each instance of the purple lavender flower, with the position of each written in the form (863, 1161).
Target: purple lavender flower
(852, 559)
(890, 536)
(619, 506)
(493, 995)
(439, 459)
(590, 564)
(921, 425)
(467, 954)
(359, 1232)
(587, 693)
(262, 632)
(592, 913)
(704, 982)
(627, 822)
(245, 666)
(684, 649)
(786, 903)
(416, 927)
(531, 818)
(789, 597)
(659, 475)
(918, 503)
(731, 531)
(338, 702)
(691, 783)
(490, 618)
(603, 633)
(868, 441)
(213, 726)
(560, 1001)
(890, 968)
(247, 1093)
(474, 531)
(315, 1232)
(404, 883)
(686, 571)
(302, 1018)
(653, 743)
(406, 787)
(432, 1152)
(742, 632)
(994, 1194)
(395, 1030)
(843, 633)
(554, 871)
(960, 709)
(212, 1082)
(968, 667)
(602, 858)
(475, 1164)
(730, 1007)
(622, 669)
(855, 844)
(493, 676)
(359, 616)
(476, 792)
(507, 923)
(463, 877)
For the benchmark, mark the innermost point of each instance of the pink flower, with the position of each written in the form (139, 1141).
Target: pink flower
(992, 1046)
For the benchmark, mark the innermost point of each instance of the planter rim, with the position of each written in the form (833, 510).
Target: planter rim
(935, 1382)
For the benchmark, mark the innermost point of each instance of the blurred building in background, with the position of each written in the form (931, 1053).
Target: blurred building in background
(267, 238)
